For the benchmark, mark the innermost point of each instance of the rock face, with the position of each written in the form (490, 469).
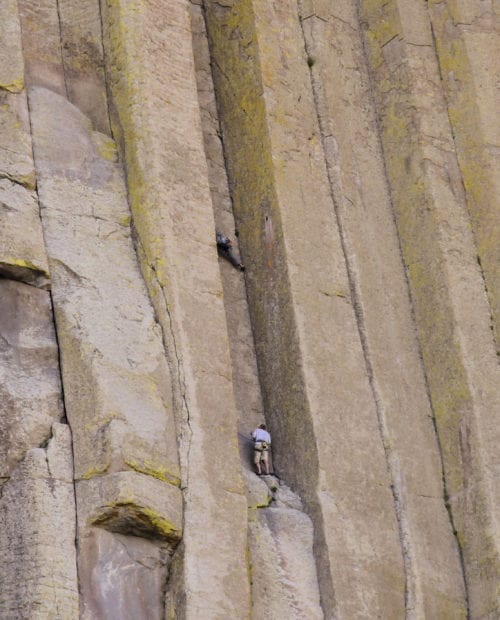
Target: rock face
(349, 150)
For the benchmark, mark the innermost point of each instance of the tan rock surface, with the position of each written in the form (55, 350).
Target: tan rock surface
(434, 580)
(360, 143)
(38, 576)
(122, 577)
(83, 62)
(132, 504)
(115, 376)
(129, 525)
(22, 247)
(158, 121)
(304, 325)
(11, 55)
(42, 44)
(450, 304)
(30, 387)
(16, 159)
(282, 563)
(467, 45)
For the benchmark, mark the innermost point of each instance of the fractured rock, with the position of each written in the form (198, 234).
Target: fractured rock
(16, 159)
(22, 247)
(11, 55)
(115, 375)
(37, 535)
(30, 387)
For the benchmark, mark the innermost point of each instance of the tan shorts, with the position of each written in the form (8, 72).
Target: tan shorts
(259, 454)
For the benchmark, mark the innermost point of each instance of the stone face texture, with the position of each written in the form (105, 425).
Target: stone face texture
(42, 44)
(137, 522)
(246, 386)
(11, 55)
(434, 580)
(81, 44)
(131, 503)
(30, 388)
(16, 160)
(282, 565)
(37, 539)
(116, 380)
(22, 248)
(156, 112)
(467, 44)
(141, 565)
(451, 310)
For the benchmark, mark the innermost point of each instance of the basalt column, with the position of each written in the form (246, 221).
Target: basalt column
(448, 290)
(282, 567)
(356, 173)
(115, 375)
(156, 120)
(467, 43)
(315, 383)
(37, 503)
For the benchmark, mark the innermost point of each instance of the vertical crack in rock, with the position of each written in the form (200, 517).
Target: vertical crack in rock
(174, 361)
(453, 130)
(391, 458)
(63, 67)
(109, 100)
(293, 588)
(64, 419)
(170, 343)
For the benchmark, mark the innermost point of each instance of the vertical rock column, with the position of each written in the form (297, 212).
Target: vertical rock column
(451, 307)
(116, 380)
(38, 576)
(37, 505)
(467, 43)
(333, 39)
(315, 385)
(156, 120)
(284, 581)
(22, 251)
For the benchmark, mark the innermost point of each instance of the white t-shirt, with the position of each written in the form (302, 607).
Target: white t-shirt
(260, 434)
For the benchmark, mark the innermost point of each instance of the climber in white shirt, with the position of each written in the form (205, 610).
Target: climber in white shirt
(262, 443)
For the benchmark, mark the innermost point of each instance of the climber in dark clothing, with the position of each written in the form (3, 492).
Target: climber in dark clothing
(225, 248)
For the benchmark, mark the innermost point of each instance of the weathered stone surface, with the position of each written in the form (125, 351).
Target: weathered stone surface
(37, 535)
(282, 564)
(129, 525)
(30, 388)
(345, 392)
(434, 580)
(316, 389)
(122, 577)
(16, 161)
(131, 503)
(157, 119)
(115, 376)
(42, 44)
(11, 55)
(246, 385)
(467, 42)
(22, 247)
(450, 304)
(81, 47)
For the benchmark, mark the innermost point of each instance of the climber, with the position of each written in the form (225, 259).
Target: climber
(262, 442)
(225, 247)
